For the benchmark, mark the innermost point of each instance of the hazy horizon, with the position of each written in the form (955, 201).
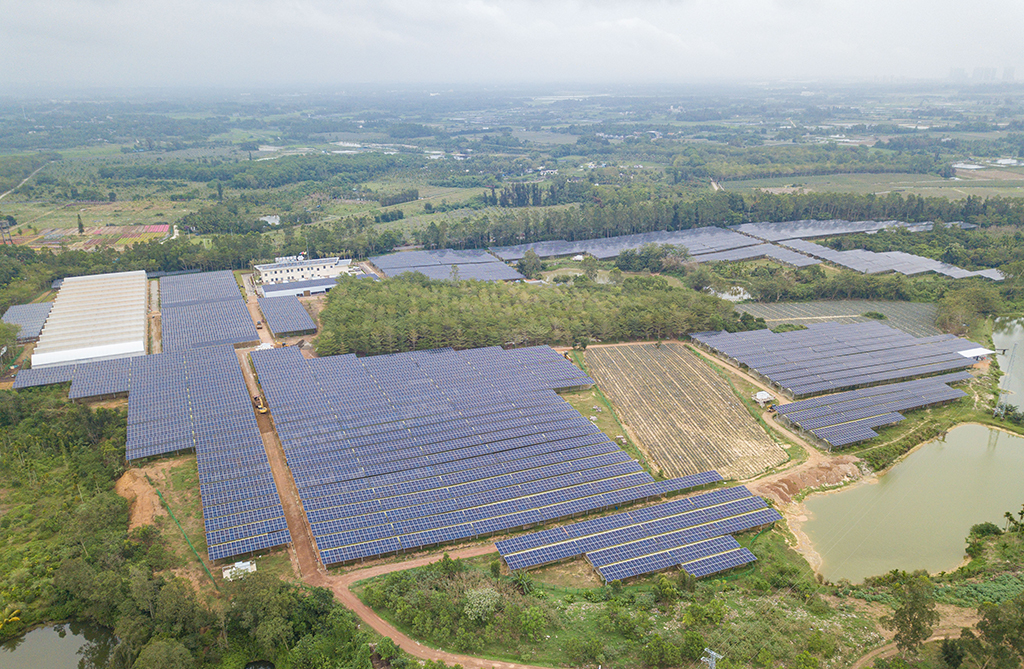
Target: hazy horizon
(117, 44)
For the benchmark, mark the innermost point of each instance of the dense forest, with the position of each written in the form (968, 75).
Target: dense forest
(412, 312)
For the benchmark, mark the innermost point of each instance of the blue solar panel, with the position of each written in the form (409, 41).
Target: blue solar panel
(286, 316)
(29, 318)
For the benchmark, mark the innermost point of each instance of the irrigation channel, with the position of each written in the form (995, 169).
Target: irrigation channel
(917, 515)
(66, 646)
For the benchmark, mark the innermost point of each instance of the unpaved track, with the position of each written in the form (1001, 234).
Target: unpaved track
(339, 585)
(889, 649)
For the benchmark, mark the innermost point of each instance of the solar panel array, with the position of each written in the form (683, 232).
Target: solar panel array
(184, 289)
(828, 357)
(447, 264)
(772, 251)
(29, 317)
(198, 400)
(88, 379)
(869, 262)
(204, 309)
(805, 229)
(396, 452)
(697, 241)
(44, 376)
(286, 315)
(693, 534)
(842, 419)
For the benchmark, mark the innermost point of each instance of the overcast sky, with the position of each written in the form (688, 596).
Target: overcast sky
(326, 42)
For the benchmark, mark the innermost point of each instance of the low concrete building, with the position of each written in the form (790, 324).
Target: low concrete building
(295, 268)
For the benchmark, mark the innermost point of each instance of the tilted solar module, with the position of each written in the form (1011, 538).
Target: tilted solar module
(286, 315)
(29, 318)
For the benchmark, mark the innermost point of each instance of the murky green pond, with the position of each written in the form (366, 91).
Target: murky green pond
(918, 514)
(1008, 335)
(69, 646)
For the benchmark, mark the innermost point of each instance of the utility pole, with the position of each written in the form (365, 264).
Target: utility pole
(710, 657)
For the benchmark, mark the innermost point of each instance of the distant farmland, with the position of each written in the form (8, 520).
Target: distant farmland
(685, 416)
(914, 318)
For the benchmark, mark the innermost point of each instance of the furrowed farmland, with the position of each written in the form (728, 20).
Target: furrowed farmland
(686, 417)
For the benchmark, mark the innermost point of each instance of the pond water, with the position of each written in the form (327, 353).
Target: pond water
(1008, 334)
(917, 515)
(66, 646)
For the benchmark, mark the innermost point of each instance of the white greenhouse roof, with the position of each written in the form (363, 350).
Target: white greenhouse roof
(95, 318)
(975, 352)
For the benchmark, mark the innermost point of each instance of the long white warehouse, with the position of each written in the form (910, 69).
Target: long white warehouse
(95, 318)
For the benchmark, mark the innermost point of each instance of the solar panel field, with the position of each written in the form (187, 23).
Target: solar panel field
(915, 318)
(686, 417)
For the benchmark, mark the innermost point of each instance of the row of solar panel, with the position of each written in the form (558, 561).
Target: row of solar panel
(696, 241)
(29, 318)
(705, 509)
(436, 488)
(199, 400)
(206, 324)
(427, 478)
(492, 525)
(205, 287)
(286, 315)
(607, 523)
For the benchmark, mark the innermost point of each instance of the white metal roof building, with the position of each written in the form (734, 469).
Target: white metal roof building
(95, 318)
(296, 269)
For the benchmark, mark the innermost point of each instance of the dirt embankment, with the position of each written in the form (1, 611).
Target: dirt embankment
(133, 486)
(826, 473)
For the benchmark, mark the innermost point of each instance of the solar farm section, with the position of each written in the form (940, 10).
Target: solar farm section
(846, 418)
(914, 318)
(693, 534)
(204, 310)
(29, 317)
(396, 452)
(446, 264)
(286, 316)
(869, 262)
(686, 417)
(697, 241)
(829, 357)
(198, 400)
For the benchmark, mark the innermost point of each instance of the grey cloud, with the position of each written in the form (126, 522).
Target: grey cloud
(242, 42)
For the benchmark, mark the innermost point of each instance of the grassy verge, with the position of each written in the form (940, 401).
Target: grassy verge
(772, 611)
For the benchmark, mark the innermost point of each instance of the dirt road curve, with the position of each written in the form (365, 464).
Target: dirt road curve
(890, 648)
(339, 585)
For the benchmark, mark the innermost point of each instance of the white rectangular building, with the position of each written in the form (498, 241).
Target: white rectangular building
(297, 269)
(95, 318)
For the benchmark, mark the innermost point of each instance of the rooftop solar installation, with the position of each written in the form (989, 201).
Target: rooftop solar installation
(29, 317)
(842, 419)
(286, 315)
(396, 452)
(697, 241)
(197, 400)
(692, 533)
(447, 264)
(831, 357)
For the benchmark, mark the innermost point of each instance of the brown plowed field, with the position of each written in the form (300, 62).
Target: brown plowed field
(686, 417)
